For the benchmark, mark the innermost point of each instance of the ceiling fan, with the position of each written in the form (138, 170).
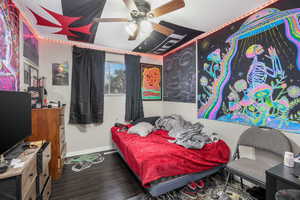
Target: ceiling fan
(142, 17)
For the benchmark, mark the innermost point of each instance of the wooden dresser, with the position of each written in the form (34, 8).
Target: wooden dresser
(28, 182)
(49, 124)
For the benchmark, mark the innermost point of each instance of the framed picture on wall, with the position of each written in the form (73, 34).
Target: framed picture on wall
(34, 76)
(60, 74)
(26, 74)
(31, 74)
(151, 82)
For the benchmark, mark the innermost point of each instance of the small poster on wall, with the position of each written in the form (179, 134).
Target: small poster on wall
(151, 82)
(60, 73)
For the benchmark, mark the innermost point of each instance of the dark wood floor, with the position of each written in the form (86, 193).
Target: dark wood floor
(110, 180)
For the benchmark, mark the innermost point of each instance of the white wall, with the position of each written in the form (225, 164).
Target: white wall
(87, 138)
(97, 137)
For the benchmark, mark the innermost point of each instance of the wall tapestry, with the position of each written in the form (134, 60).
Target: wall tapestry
(151, 81)
(249, 72)
(60, 74)
(179, 76)
(31, 48)
(9, 47)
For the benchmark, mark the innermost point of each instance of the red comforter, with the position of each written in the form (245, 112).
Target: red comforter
(153, 157)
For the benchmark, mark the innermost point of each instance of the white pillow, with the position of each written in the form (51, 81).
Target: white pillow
(141, 128)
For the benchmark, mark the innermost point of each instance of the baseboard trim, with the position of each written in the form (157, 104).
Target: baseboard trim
(88, 151)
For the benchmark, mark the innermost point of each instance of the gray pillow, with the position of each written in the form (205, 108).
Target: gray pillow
(142, 129)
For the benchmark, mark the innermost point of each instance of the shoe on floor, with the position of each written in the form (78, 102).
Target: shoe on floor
(192, 185)
(200, 184)
(188, 192)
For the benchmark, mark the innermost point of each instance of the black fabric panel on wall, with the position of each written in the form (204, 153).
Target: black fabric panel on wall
(179, 76)
(134, 101)
(87, 95)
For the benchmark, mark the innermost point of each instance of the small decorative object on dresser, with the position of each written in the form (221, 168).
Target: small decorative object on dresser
(48, 124)
(24, 179)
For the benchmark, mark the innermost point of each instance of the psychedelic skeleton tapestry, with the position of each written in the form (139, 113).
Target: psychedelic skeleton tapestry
(151, 81)
(249, 72)
(9, 47)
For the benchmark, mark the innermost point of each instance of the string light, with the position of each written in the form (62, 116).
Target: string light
(158, 57)
(204, 35)
(80, 44)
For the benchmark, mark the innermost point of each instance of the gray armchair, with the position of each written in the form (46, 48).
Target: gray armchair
(269, 146)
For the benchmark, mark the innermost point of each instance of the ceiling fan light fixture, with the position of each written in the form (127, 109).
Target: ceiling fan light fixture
(146, 27)
(131, 28)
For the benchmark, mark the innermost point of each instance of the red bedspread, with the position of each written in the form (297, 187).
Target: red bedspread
(153, 157)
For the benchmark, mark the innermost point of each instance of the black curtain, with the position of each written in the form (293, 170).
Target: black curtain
(87, 95)
(134, 102)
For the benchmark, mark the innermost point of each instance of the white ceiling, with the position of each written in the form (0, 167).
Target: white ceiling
(203, 15)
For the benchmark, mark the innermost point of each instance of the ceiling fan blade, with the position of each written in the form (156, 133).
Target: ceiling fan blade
(111, 20)
(168, 7)
(162, 29)
(130, 4)
(134, 36)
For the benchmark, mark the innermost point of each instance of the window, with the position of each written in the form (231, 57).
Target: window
(114, 78)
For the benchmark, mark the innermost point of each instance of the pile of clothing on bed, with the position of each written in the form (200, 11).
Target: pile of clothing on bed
(184, 132)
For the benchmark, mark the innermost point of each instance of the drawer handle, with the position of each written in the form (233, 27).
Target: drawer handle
(48, 156)
(31, 175)
(45, 175)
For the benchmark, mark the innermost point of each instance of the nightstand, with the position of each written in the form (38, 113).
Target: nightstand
(281, 177)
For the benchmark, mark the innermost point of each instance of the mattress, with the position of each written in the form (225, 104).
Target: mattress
(154, 157)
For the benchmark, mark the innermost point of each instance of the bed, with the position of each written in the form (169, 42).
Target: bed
(162, 166)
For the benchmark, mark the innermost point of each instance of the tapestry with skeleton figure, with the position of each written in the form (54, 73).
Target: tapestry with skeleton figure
(249, 72)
